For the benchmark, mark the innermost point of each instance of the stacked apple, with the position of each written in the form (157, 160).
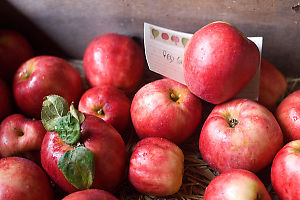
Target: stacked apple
(82, 150)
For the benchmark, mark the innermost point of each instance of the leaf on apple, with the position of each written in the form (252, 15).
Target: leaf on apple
(68, 129)
(78, 167)
(77, 114)
(54, 107)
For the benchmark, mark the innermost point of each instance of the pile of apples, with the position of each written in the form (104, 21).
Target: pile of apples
(54, 132)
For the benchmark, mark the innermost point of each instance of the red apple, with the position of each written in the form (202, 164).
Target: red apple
(5, 100)
(108, 103)
(285, 171)
(288, 116)
(272, 85)
(115, 60)
(42, 76)
(14, 50)
(236, 184)
(156, 167)
(91, 194)
(165, 108)
(22, 179)
(218, 62)
(102, 140)
(20, 135)
(240, 134)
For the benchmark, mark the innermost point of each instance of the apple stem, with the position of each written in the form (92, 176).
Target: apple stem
(174, 97)
(233, 123)
(101, 112)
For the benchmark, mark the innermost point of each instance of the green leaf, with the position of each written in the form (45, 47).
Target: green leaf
(68, 129)
(78, 167)
(77, 114)
(54, 107)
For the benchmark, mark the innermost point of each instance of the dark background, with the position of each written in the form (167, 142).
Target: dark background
(65, 27)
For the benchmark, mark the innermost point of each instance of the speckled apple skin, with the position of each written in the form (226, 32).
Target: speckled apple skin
(288, 116)
(155, 114)
(11, 143)
(285, 172)
(156, 167)
(218, 62)
(99, 137)
(236, 184)
(22, 179)
(48, 75)
(250, 145)
(116, 60)
(91, 194)
(114, 103)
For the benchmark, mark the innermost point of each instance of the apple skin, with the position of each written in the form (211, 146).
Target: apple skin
(251, 144)
(156, 167)
(109, 103)
(116, 60)
(155, 113)
(218, 62)
(99, 137)
(19, 134)
(236, 184)
(14, 50)
(42, 76)
(288, 116)
(272, 85)
(5, 101)
(22, 179)
(91, 194)
(285, 171)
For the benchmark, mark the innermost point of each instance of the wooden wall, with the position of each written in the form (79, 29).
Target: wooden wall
(65, 27)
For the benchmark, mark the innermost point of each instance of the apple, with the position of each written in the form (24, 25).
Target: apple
(115, 60)
(14, 50)
(5, 100)
(91, 194)
(285, 171)
(78, 156)
(236, 184)
(22, 179)
(165, 108)
(42, 76)
(240, 134)
(272, 85)
(288, 115)
(156, 167)
(108, 103)
(218, 62)
(20, 135)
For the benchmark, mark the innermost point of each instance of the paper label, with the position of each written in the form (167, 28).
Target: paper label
(164, 50)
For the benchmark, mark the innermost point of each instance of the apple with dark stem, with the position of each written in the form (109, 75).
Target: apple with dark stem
(22, 179)
(218, 62)
(20, 135)
(165, 108)
(285, 171)
(288, 116)
(14, 50)
(240, 134)
(272, 85)
(91, 194)
(116, 60)
(80, 151)
(109, 103)
(42, 76)
(5, 100)
(156, 167)
(236, 184)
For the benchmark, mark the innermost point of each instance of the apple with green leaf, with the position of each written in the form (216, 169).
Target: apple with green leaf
(80, 151)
